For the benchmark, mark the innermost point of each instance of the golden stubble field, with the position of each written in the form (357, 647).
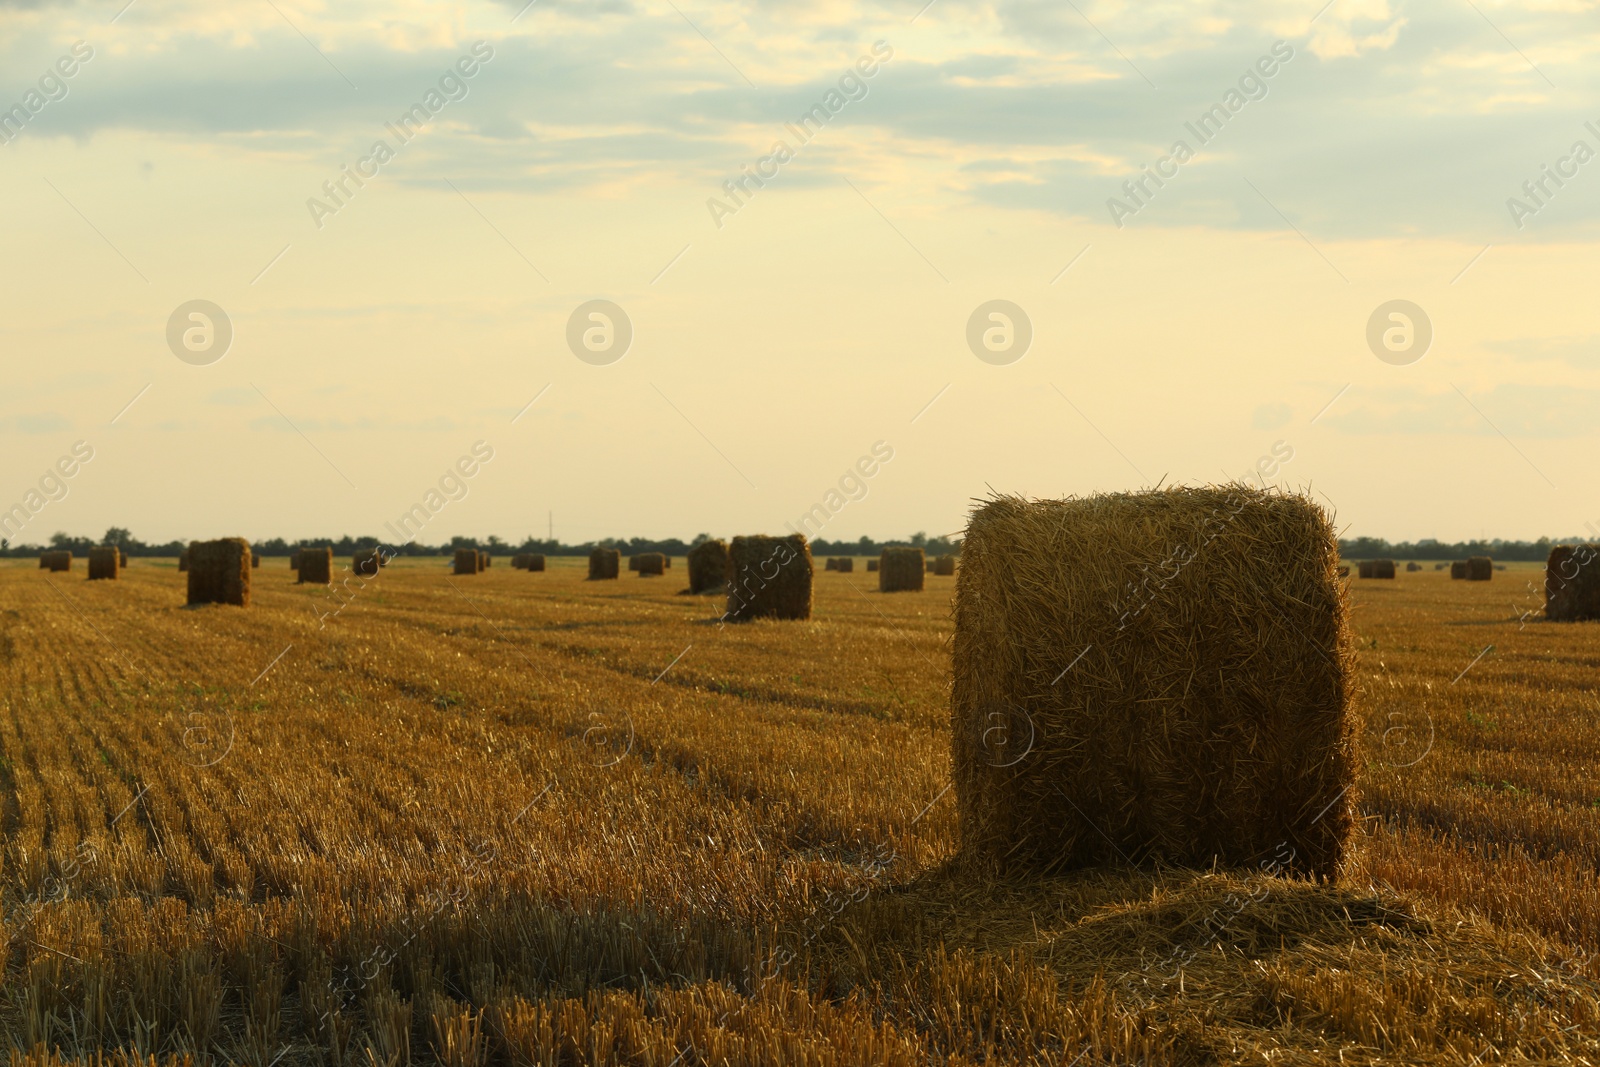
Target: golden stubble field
(522, 818)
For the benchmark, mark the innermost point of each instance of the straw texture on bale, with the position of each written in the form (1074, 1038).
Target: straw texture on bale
(944, 565)
(366, 562)
(1572, 583)
(846, 565)
(901, 570)
(219, 571)
(708, 567)
(104, 563)
(769, 578)
(872, 565)
(466, 561)
(604, 563)
(316, 566)
(534, 562)
(1344, 572)
(650, 563)
(1164, 674)
(1458, 569)
(1480, 568)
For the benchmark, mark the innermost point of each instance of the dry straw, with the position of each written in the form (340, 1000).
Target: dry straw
(604, 563)
(483, 561)
(104, 563)
(316, 566)
(944, 565)
(650, 564)
(633, 563)
(466, 561)
(1381, 568)
(122, 558)
(1155, 675)
(901, 570)
(832, 564)
(56, 560)
(1572, 583)
(534, 562)
(219, 571)
(183, 560)
(1458, 569)
(708, 567)
(846, 565)
(519, 562)
(366, 562)
(1479, 568)
(872, 565)
(769, 578)
(294, 561)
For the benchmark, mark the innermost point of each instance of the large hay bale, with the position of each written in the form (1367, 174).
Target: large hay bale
(219, 571)
(1162, 674)
(366, 562)
(519, 562)
(104, 563)
(466, 561)
(604, 563)
(944, 565)
(708, 567)
(901, 570)
(872, 565)
(535, 562)
(1380, 568)
(316, 566)
(633, 562)
(832, 564)
(846, 565)
(1572, 583)
(650, 564)
(1458, 569)
(1479, 568)
(55, 560)
(769, 578)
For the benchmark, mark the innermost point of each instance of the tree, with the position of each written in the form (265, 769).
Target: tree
(117, 536)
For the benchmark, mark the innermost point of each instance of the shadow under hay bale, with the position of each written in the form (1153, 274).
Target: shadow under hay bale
(604, 564)
(1458, 570)
(649, 564)
(316, 566)
(1480, 569)
(708, 567)
(219, 571)
(1120, 696)
(945, 565)
(104, 563)
(1572, 583)
(901, 570)
(769, 578)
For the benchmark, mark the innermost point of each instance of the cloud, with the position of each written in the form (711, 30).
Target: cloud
(49, 422)
(1271, 416)
(1515, 409)
(1582, 352)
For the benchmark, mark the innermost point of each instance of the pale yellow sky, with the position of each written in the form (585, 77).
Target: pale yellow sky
(825, 315)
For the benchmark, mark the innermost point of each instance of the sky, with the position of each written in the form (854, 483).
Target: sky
(1351, 275)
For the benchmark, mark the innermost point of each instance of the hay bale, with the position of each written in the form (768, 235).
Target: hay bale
(1479, 568)
(832, 564)
(55, 560)
(316, 566)
(944, 565)
(604, 563)
(1162, 674)
(483, 561)
(668, 561)
(901, 570)
(1364, 569)
(650, 564)
(219, 571)
(1458, 569)
(1572, 583)
(183, 560)
(366, 562)
(44, 560)
(708, 567)
(1440, 566)
(466, 561)
(104, 563)
(927, 566)
(633, 562)
(1413, 566)
(519, 562)
(294, 561)
(255, 561)
(769, 578)
(846, 565)
(535, 563)
(122, 558)
(872, 565)
(1381, 568)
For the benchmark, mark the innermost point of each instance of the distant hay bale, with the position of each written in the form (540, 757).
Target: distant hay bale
(466, 561)
(255, 561)
(366, 562)
(651, 564)
(1458, 569)
(294, 561)
(708, 567)
(872, 565)
(927, 566)
(666, 560)
(1413, 566)
(55, 560)
(219, 571)
(1440, 566)
(122, 558)
(944, 565)
(832, 564)
(483, 561)
(1381, 568)
(183, 561)
(604, 563)
(769, 578)
(44, 560)
(1572, 583)
(1479, 568)
(316, 566)
(633, 562)
(519, 562)
(1364, 569)
(104, 563)
(1161, 675)
(901, 570)
(846, 565)
(534, 562)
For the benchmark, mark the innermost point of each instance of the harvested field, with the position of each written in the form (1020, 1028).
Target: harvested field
(504, 829)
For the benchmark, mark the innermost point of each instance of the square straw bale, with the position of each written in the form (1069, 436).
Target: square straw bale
(219, 571)
(1479, 568)
(650, 564)
(901, 570)
(534, 562)
(1572, 583)
(466, 561)
(104, 563)
(316, 566)
(769, 578)
(604, 563)
(708, 567)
